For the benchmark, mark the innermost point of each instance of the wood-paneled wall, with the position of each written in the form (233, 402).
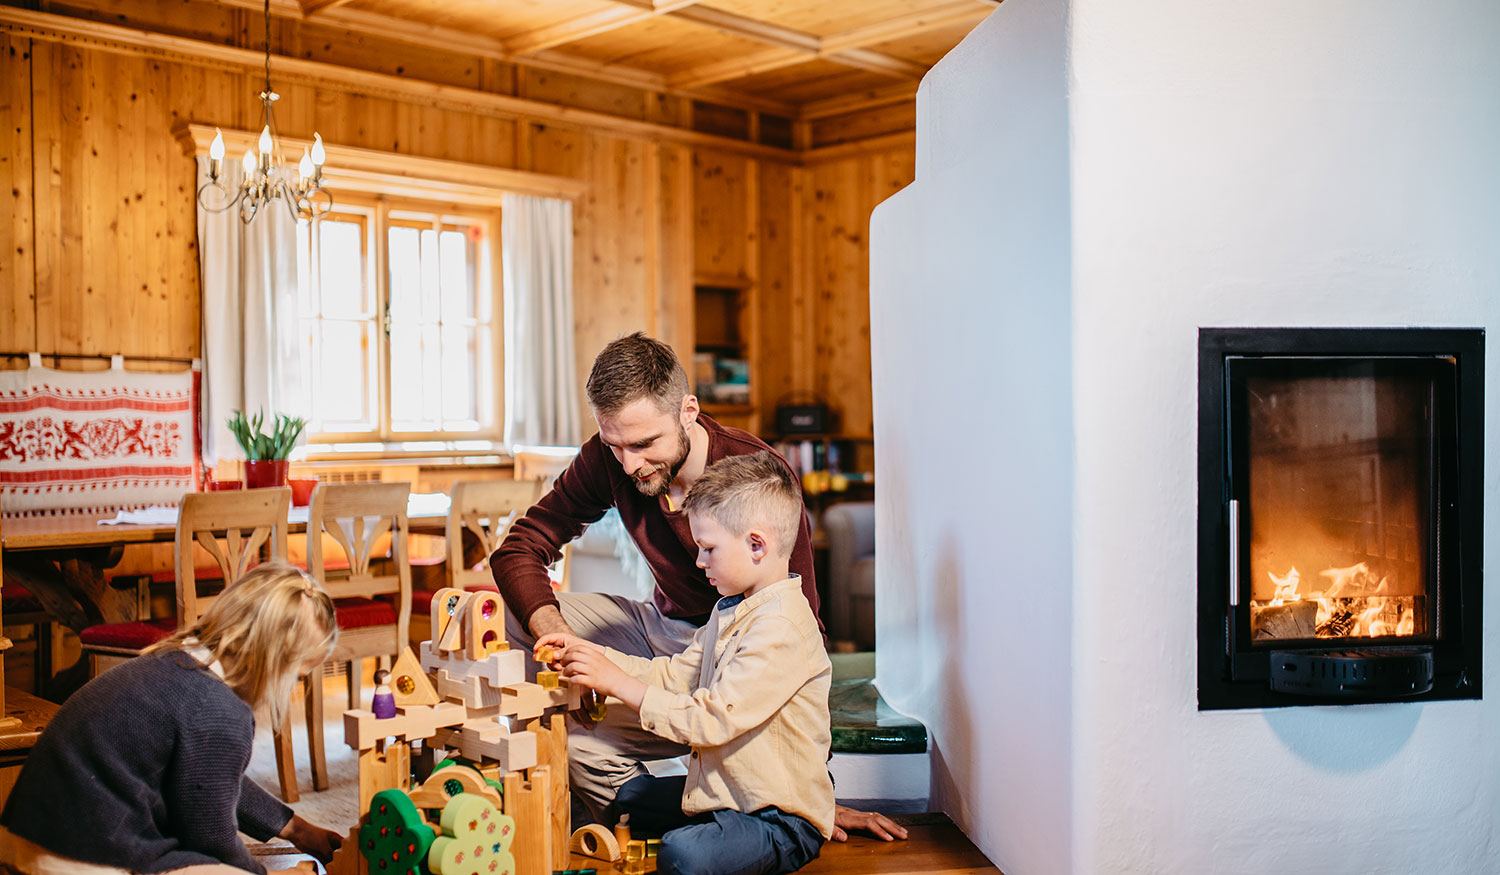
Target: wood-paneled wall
(99, 238)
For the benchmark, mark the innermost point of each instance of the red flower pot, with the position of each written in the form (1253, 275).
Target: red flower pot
(266, 472)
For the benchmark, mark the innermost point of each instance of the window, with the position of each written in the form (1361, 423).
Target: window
(398, 323)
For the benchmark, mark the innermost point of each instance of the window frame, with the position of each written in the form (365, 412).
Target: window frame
(384, 213)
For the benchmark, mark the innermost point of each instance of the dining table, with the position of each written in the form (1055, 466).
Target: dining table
(64, 559)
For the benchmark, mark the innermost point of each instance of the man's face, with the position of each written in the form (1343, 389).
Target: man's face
(651, 445)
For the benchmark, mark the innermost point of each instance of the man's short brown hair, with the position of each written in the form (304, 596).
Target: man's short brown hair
(636, 367)
(756, 491)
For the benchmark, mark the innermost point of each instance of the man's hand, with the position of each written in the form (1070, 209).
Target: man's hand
(846, 820)
(310, 839)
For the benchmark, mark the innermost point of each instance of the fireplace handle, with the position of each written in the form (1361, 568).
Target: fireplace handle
(1234, 553)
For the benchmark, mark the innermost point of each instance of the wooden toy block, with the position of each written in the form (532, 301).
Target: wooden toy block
(362, 729)
(484, 625)
(635, 857)
(446, 784)
(409, 682)
(566, 696)
(445, 606)
(476, 838)
(496, 669)
(525, 701)
(526, 798)
(470, 689)
(513, 750)
(382, 768)
(547, 680)
(595, 841)
(546, 654)
(552, 754)
(347, 860)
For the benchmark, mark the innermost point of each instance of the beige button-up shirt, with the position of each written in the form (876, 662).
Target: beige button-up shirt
(750, 696)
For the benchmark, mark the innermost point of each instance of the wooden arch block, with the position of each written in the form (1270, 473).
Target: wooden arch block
(447, 603)
(484, 619)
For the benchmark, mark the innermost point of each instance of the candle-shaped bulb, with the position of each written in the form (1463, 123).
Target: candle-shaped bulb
(249, 163)
(305, 166)
(216, 148)
(265, 140)
(317, 149)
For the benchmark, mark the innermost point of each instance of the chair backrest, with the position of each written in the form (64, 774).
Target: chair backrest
(355, 516)
(541, 463)
(486, 509)
(247, 520)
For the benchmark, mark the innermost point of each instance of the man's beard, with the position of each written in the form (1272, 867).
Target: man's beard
(658, 483)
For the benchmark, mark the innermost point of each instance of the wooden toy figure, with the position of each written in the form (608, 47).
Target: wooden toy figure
(384, 703)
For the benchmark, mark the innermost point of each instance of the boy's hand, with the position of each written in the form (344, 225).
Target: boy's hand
(559, 642)
(585, 664)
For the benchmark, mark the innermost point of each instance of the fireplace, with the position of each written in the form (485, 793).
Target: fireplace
(1339, 515)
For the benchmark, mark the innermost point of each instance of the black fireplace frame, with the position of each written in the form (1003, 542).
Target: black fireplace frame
(1232, 675)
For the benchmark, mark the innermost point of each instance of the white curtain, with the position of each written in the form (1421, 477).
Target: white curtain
(249, 282)
(541, 381)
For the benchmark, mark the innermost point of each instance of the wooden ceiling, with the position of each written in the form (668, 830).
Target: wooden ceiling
(806, 56)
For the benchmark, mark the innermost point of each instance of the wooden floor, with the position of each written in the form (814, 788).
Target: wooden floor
(936, 847)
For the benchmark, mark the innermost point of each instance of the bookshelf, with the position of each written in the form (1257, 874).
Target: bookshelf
(723, 351)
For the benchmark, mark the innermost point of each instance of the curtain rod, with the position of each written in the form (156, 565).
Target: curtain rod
(101, 355)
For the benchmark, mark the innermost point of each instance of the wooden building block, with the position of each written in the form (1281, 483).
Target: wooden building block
(386, 767)
(552, 754)
(484, 625)
(512, 750)
(525, 701)
(362, 729)
(526, 798)
(595, 841)
(410, 683)
(439, 786)
(446, 604)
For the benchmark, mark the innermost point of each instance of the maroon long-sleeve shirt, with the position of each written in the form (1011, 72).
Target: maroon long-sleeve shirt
(594, 483)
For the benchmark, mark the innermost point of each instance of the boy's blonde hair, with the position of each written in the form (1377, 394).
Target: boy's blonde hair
(262, 629)
(756, 491)
(632, 368)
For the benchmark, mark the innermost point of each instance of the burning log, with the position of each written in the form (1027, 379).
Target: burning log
(1291, 620)
(1340, 624)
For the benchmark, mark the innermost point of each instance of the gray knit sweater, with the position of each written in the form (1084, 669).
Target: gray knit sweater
(144, 768)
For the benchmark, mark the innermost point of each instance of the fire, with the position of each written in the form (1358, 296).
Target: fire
(1355, 603)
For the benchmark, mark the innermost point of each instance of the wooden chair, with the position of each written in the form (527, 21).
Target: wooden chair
(486, 509)
(247, 520)
(374, 610)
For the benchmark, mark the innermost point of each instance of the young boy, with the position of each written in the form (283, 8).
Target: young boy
(749, 694)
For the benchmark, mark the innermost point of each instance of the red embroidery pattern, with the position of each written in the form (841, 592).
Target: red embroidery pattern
(45, 439)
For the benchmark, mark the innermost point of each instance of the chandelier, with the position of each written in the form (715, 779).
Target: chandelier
(267, 177)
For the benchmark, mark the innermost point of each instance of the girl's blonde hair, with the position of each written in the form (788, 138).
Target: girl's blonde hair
(262, 629)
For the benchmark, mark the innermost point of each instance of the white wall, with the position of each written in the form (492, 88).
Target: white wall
(970, 333)
(1275, 163)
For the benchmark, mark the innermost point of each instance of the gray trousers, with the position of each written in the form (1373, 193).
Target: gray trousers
(601, 759)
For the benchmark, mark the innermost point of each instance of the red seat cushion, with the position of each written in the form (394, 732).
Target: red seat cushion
(358, 613)
(135, 635)
(19, 600)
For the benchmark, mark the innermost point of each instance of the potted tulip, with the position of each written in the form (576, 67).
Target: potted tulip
(266, 453)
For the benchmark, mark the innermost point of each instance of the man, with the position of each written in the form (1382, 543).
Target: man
(653, 443)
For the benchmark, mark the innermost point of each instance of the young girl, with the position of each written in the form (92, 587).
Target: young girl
(143, 769)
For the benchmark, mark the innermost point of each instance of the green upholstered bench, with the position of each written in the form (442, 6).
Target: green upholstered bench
(880, 759)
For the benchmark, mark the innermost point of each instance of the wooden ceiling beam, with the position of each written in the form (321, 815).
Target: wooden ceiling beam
(796, 47)
(856, 101)
(961, 12)
(581, 27)
(313, 7)
(735, 68)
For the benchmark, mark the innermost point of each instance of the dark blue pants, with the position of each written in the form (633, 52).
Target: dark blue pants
(765, 842)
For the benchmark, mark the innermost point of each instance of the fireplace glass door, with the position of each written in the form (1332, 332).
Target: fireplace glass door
(1336, 495)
